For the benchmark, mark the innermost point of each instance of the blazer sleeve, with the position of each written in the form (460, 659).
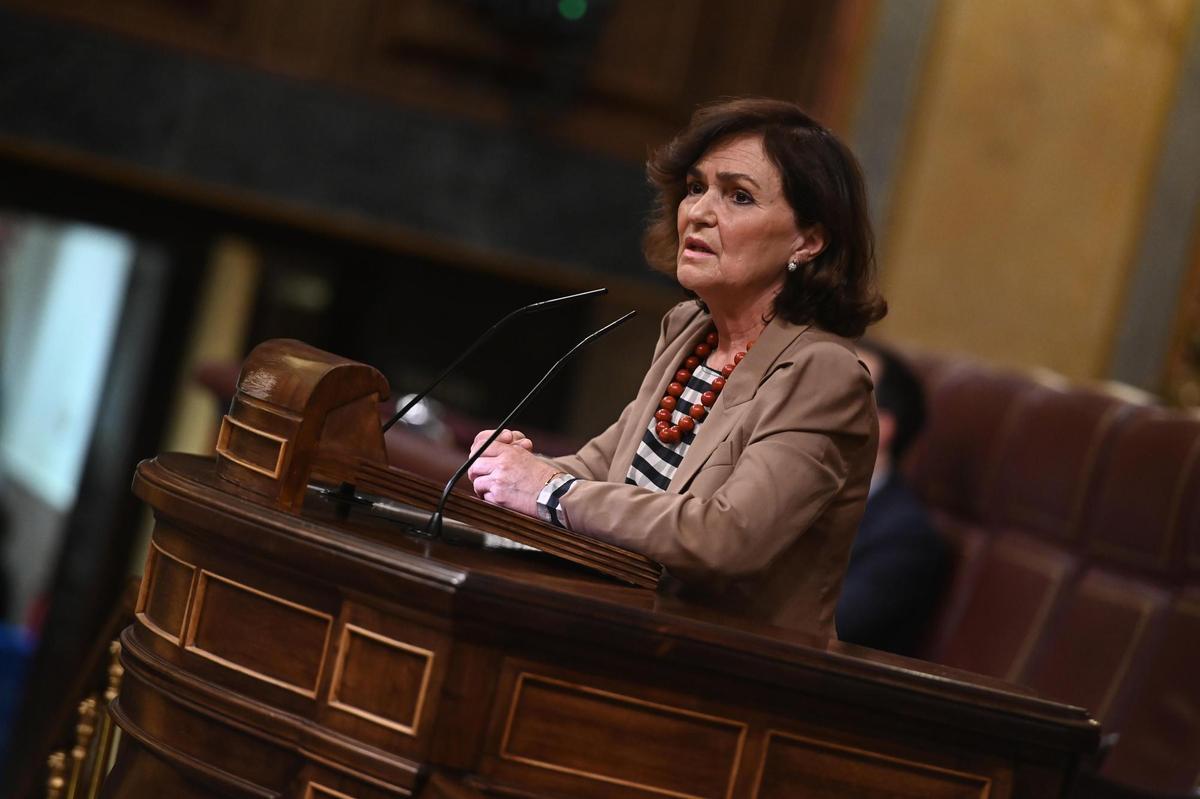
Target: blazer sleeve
(811, 421)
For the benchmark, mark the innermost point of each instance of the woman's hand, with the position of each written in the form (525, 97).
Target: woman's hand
(508, 474)
(505, 437)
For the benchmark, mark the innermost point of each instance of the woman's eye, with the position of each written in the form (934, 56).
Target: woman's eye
(742, 197)
(693, 187)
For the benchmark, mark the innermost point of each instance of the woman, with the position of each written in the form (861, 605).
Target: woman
(743, 470)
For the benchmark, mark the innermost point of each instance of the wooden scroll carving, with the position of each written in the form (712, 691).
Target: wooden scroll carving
(293, 404)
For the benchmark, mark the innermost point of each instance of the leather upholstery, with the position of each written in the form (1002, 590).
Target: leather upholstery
(1014, 592)
(1159, 747)
(1105, 624)
(966, 416)
(1075, 519)
(1140, 501)
(1048, 452)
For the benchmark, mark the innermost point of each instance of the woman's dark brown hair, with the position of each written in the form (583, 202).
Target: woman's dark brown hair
(822, 183)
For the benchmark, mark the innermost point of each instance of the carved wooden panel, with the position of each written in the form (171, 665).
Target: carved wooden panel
(257, 440)
(165, 593)
(329, 780)
(583, 732)
(257, 414)
(254, 449)
(381, 679)
(319, 790)
(259, 634)
(181, 737)
(833, 771)
(315, 791)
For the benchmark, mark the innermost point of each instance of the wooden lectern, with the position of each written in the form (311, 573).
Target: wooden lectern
(288, 645)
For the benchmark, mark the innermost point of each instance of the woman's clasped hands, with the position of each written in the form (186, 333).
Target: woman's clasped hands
(508, 474)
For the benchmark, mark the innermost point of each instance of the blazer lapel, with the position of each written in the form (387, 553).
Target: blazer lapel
(652, 393)
(742, 386)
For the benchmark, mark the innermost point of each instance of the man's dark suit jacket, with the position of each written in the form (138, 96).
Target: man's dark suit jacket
(897, 572)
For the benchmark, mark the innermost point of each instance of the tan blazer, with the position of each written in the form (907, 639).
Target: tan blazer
(762, 512)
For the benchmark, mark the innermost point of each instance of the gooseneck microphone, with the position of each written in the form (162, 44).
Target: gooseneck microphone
(544, 305)
(434, 527)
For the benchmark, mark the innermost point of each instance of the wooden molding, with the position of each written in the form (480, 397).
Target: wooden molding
(227, 425)
(630, 702)
(151, 574)
(978, 785)
(409, 728)
(196, 616)
(315, 791)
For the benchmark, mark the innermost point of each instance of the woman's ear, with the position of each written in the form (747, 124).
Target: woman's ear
(810, 243)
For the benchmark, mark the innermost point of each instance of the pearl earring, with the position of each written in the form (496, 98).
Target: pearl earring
(793, 265)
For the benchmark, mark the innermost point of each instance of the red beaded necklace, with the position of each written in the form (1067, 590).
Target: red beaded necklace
(671, 433)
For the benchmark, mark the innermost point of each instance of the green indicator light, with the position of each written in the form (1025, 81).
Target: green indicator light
(572, 9)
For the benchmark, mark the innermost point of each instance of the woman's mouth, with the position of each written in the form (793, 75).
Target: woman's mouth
(696, 246)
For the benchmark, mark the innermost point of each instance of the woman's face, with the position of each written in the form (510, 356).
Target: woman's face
(736, 228)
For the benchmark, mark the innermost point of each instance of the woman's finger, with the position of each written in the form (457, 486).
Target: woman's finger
(481, 467)
(505, 437)
(521, 440)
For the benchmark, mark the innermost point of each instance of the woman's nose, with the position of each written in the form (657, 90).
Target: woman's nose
(702, 210)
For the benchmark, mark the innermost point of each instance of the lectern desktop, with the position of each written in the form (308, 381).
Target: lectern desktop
(291, 642)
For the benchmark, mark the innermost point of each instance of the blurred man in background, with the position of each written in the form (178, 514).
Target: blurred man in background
(899, 563)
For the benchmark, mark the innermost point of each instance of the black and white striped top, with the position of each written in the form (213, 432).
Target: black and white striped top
(654, 463)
